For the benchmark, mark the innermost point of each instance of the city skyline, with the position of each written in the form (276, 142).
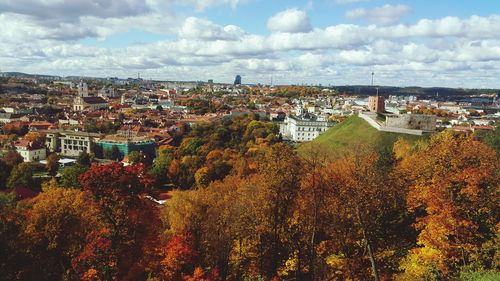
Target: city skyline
(338, 42)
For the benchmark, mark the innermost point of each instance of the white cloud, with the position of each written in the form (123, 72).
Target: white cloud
(201, 5)
(57, 10)
(202, 29)
(450, 50)
(289, 21)
(386, 14)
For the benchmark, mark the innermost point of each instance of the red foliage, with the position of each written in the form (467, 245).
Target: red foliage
(132, 218)
(96, 261)
(179, 256)
(200, 275)
(115, 181)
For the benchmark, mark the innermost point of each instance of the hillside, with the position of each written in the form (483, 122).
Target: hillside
(350, 134)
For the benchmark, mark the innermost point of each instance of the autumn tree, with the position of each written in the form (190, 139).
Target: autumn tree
(243, 224)
(13, 258)
(179, 257)
(35, 137)
(4, 174)
(311, 217)
(121, 195)
(12, 158)
(56, 225)
(280, 171)
(453, 192)
(97, 260)
(52, 165)
(200, 275)
(367, 222)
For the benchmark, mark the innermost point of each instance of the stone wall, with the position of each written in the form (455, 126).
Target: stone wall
(412, 121)
(370, 119)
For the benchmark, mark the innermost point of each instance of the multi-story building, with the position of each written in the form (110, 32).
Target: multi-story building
(70, 143)
(304, 126)
(89, 103)
(376, 104)
(30, 151)
(302, 129)
(125, 145)
(237, 80)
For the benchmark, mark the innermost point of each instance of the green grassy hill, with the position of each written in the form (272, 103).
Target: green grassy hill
(350, 134)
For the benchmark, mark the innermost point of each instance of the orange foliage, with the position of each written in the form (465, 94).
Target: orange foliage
(453, 185)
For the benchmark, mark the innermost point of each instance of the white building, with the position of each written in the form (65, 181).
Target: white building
(30, 151)
(304, 127)
(70, 143)
(301, 130)
(9, 117)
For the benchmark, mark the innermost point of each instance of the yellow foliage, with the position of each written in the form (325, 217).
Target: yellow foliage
(420, 264)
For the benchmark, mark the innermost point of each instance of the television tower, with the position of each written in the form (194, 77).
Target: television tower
(373, 73)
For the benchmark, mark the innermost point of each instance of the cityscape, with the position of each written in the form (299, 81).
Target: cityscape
(244, 140)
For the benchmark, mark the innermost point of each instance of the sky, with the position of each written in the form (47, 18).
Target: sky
(426, 43)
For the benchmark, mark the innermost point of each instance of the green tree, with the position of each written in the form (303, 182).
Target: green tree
(491, 138)
(160, 166)
(136, 157)
(69, 176)
(84, 159)
(21, 176)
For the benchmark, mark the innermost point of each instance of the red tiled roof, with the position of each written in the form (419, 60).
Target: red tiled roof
(27, 144)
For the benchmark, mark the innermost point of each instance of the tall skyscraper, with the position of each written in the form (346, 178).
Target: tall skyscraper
(237, 80)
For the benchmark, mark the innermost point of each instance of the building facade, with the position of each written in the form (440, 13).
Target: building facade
(30, 151)
(301, 130)
(89, 103)
(376, 104)
(126, 145)
(237, 80)
(70, 143)
(83, 89)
